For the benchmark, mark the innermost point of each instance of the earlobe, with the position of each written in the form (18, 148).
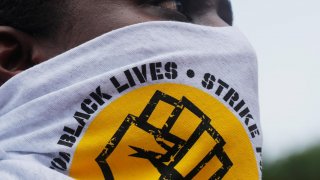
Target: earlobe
(15, 52)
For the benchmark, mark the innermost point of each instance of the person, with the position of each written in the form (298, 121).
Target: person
(127, 89)
(40, 30)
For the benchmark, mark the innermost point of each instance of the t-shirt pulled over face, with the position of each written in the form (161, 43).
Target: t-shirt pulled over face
(157, 100)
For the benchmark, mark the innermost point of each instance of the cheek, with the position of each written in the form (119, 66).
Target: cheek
(162, 13)
(142, 13)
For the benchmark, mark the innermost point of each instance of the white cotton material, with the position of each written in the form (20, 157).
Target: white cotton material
(38, 103)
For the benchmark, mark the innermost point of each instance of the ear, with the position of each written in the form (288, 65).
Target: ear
(15, 52)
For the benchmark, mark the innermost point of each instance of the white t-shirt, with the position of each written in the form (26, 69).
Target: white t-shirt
(156, 100)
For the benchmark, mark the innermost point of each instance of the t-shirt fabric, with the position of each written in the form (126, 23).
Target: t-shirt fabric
(156, 100)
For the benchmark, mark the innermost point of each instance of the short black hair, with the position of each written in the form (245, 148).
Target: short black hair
(225, 11)
(35, 17)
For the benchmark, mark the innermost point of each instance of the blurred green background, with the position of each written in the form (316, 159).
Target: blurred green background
(299, 166)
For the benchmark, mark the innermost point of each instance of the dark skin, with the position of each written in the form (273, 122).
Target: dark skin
(20, 51)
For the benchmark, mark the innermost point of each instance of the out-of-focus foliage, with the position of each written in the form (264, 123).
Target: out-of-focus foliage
(302, 166)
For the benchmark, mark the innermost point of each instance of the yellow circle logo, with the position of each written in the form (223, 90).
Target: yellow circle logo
(165, 131)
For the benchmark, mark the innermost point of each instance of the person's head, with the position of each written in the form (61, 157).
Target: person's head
(32, 31)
